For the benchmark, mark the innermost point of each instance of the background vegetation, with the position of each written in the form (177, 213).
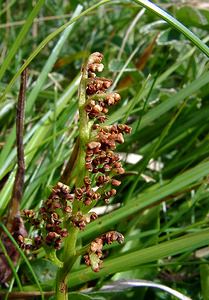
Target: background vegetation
(163, 78)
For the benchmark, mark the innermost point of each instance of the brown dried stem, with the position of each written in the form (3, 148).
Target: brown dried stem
(14, 222)
(17, 192)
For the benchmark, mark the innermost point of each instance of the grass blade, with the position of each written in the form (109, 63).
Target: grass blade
(147, 199)
(38, 134)
(125, 262)
(50, 62)
(174, 23)
(20, 37)
(45, 42)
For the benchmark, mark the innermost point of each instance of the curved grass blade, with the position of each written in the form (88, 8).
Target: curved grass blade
(164, 107)
(145, 3)
(174, 23)
(126, 284)
(39, 84)
(50, 62)
(20, 37)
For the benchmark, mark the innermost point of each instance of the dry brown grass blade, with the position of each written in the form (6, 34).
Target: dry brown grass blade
(140, 64)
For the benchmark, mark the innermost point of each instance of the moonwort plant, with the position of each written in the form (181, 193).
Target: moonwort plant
(91, 174)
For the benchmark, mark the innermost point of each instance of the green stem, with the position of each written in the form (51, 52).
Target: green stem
(53, 257)
(61, 286)
(83, 128)
(77, 177)
(79, 171)
(69, 257)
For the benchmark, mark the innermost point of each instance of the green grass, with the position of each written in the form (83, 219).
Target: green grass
(164, 221)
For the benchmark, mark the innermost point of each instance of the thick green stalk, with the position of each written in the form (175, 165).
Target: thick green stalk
(84, 134)
(69, 257)
(83, 128)
(61, 286)
(69, 254)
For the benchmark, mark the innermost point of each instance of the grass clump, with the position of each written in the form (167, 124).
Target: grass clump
(159, 80)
